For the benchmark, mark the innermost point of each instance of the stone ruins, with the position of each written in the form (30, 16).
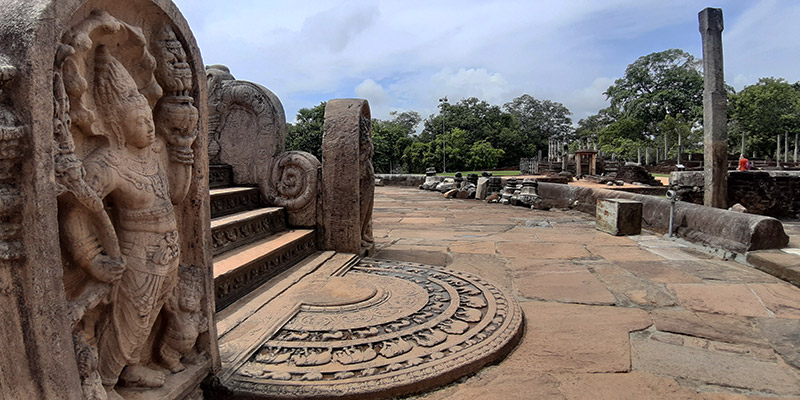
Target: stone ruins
(118, 285)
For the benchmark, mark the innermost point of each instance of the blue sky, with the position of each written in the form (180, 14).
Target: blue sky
(405, 55)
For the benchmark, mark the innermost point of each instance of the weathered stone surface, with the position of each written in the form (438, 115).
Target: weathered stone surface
(578, 286)
(715, 117)
(483, 184)
(714, 270)
(541, 250)
(491, 383)
(247, 126)
(633, 291)
(701, 367)
(348, 179)
(293, 183)
(723, 328)
(784, 336)
(576, 338)
(623, 253)
(720, 299)
(376, 328)
(632, 385)
(719, 228)
(658, 271)
(429, 257)
(779, 298)
(103, 114)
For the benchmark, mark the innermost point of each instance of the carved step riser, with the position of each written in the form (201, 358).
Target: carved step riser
(231, 203)
(236, 284)
(220, 176)
(231, 236)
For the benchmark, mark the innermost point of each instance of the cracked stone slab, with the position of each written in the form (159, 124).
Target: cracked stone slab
(704, 368)
(784, 336)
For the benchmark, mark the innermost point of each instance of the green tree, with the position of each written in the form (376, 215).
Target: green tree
(658, 84)
(540, 120)
(763, 111)
(590, 127)
(481, 121)
(306, 133)
(482, 155)
(391, 138)
(414, 158)
(623, 137)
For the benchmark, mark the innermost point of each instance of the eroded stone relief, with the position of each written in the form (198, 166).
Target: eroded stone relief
(124, 129)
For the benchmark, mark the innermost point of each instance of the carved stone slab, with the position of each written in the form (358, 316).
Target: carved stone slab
(375, 329)
(348, 178)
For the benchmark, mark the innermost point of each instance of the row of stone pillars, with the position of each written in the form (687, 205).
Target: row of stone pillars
(558, 149)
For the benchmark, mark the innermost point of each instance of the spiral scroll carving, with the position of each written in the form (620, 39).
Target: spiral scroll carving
(294, 184)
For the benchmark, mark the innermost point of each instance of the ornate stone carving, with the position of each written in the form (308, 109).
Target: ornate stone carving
(12, 149)
(247, 125)
(294, 184)
(348, 182)
(124, 129)
(366, 184)
(382, 328)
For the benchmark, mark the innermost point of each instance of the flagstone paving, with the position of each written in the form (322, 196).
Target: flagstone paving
(637, 317)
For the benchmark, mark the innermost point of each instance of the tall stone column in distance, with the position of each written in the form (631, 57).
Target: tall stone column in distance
(715, 120)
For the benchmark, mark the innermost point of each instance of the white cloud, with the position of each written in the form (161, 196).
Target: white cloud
(406, 55)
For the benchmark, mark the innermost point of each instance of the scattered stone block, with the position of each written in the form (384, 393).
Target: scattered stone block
(450, 193)
(619, 217)
(483, 185)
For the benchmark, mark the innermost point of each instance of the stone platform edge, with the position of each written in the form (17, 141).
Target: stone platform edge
(401, 179)
(728, 230)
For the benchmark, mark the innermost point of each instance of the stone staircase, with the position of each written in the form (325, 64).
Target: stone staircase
(251, 242)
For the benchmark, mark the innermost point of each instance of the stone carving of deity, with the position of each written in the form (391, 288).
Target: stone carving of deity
(131, 245)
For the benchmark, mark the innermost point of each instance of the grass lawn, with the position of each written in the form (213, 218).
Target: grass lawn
(494, 173)
(660, 175)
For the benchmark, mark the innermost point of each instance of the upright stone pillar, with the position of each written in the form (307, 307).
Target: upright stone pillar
(715, 165)
(348, 177)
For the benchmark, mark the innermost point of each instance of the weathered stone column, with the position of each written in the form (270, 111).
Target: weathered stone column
(715, 165)
(348, 180)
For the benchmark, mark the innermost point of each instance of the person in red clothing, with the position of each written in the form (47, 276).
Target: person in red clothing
(744, 163)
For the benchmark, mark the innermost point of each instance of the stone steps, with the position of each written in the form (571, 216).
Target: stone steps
(244, 326)
(241, 270)
(231, 200)
(245, 227)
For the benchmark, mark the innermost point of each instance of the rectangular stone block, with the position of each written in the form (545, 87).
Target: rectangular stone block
(480, 192)
(619, 217)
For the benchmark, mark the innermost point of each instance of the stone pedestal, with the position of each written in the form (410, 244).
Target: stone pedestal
(619, 217)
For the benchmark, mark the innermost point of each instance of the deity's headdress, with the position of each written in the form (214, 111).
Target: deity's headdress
(115, 93)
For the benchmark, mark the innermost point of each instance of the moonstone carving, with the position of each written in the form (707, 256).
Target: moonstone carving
(380, 329)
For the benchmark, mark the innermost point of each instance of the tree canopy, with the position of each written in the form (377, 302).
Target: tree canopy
(763, 111)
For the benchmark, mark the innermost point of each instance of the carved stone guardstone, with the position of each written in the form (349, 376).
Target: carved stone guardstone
(247, 132)
(372, 329)
(105, 266)
(348, 178)
(247, 125)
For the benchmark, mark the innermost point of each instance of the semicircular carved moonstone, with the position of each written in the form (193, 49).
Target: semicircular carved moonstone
(410, 327)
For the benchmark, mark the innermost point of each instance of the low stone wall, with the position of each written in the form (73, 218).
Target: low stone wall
(772, 193)
(402, 179)
(732, 231)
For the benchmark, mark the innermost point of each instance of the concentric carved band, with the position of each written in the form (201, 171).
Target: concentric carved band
(461, 324)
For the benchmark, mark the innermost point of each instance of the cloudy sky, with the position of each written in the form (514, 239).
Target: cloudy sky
(405, 55)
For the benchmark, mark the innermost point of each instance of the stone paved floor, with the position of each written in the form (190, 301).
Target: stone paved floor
(607, 317)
